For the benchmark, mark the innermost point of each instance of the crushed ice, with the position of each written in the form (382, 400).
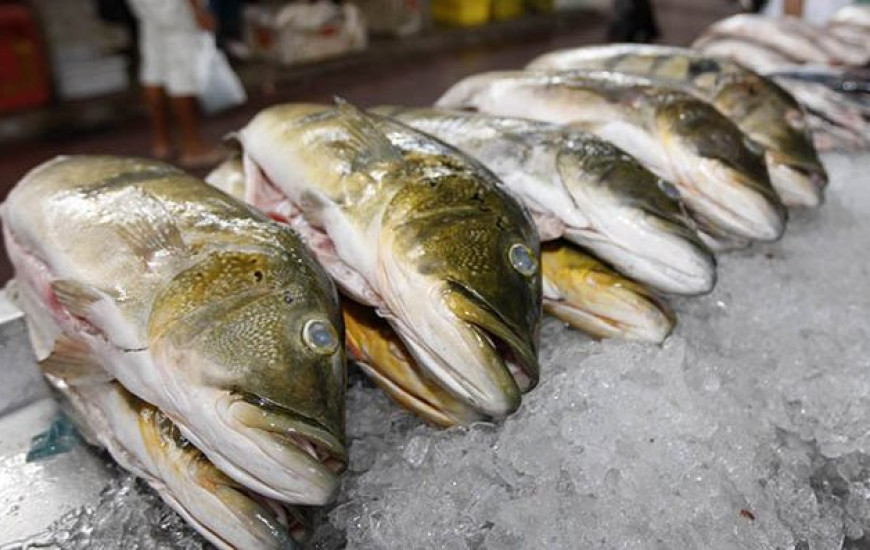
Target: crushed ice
(748, 429)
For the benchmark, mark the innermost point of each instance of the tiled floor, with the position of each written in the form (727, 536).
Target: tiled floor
(417, 81)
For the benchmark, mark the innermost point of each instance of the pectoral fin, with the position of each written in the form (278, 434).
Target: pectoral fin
(71, 363)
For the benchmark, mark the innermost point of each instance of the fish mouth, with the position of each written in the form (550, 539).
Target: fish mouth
(733, 202)
(798, 185)
(381, 355)
(651, 253)
(491, 364)
(314, 456)
(274, 523)
(515, 351)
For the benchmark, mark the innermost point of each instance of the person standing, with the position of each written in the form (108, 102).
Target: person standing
(170, 36)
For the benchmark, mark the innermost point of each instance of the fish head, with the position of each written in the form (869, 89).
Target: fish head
(586, 294)
(776, 121)
(258, 329)
(722, 172)
(461, 261)
(637, 221)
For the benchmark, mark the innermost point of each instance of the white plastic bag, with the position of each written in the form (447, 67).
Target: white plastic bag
(219, 87)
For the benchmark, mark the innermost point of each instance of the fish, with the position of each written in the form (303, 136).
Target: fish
(821, 101)
(145, 442)
(720, 174)
(760, 108)
(583, 188)
(786, 35)
(852, 15)
(196, 303)
(829, 136)
(758, 57)
(583, 292)
(853, 83)
(429, 239)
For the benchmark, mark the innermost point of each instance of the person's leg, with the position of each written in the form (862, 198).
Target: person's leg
(194, 150)
(158, 111)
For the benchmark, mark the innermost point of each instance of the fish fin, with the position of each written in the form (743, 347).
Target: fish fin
(71, 363)
(76, 297)
(150, 230)
(42, 329)
(368, 144)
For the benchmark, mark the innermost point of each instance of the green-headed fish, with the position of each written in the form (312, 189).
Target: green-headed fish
(583, 188)
(193, 301)
(758, 106)
(429, 238)
(720, 174)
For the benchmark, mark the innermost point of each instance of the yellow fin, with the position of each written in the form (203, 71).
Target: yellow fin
(72, 364)
(367, 142)
(149, 228)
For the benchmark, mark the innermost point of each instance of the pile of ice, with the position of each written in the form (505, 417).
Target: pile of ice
(748, 429)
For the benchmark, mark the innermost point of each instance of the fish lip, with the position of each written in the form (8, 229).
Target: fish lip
(516, 355)
(312, 458)
(783, 171)
(490, 403)
(303, 432)
(295, 527)
(697, 275)
(768, 230)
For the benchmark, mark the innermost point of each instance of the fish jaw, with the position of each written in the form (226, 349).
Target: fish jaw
(721, 196)
(143, 440)
(382, 356)
(585, 294)
(472, 368)
(718, 176)
(638, 232)
(796, 186)
(666, 262)
(270, 451)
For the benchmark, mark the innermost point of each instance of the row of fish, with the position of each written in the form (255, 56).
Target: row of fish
(202, 341)
(823, 67)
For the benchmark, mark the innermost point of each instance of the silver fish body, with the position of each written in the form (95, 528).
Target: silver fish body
(193, 301)
(583, 188)
(721, 176)
(760, 108)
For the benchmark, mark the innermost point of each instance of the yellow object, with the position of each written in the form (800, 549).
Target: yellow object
(506, 9)
(464, 13)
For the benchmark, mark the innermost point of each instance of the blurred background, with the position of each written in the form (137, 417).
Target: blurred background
(69, 69)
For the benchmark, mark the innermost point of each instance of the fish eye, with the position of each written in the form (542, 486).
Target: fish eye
(795, 119)
(753, 145)
(669, 189)
(320, 336)
(523, 259)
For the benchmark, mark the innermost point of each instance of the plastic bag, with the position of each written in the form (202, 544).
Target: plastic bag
(218, 85)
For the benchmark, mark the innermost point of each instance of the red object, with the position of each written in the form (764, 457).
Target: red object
(23, 69)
